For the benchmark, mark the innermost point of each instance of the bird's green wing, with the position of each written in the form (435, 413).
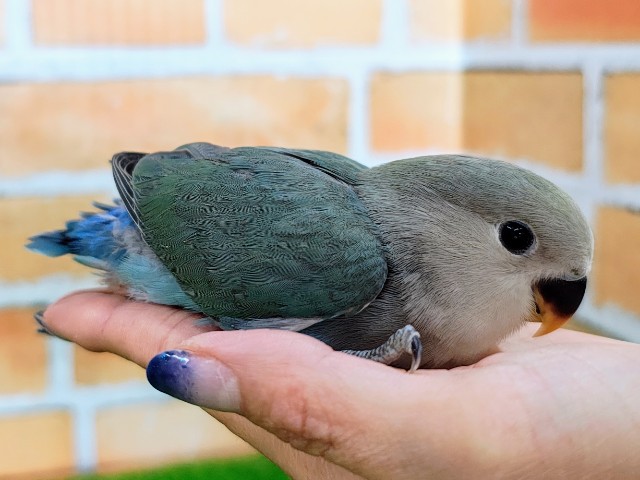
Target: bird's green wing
(255, 233)
(334, 164)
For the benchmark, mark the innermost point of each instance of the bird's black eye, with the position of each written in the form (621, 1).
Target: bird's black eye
(516, 237)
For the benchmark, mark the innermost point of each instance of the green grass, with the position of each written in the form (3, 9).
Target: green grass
(246, 468)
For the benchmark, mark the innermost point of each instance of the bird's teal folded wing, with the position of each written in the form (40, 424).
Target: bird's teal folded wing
(334, 164)
(257, 232)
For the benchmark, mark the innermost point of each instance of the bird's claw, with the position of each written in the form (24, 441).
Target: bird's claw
(416, 353)
(405, 340)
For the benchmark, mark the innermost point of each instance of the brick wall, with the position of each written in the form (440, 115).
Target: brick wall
(551, 84)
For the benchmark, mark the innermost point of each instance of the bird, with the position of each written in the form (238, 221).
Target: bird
(425, 262)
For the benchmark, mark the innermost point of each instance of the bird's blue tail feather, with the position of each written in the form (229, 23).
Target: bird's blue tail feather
(109, 241)
(89, 237)
(52, 244)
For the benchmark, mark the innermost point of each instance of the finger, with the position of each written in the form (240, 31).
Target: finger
(356, 413)
(523, 339)
(294, 463)
(137, 331)
(112, 323)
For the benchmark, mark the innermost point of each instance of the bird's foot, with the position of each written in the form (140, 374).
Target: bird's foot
(406, 340)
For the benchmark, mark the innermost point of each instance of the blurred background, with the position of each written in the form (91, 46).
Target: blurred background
(553, 85)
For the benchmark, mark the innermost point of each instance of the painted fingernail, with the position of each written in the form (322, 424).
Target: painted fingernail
(43, 327)
(201, 381)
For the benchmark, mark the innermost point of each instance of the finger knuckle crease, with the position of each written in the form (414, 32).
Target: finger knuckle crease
(303, 422)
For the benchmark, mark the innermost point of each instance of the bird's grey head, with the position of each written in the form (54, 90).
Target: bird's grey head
(489, 239)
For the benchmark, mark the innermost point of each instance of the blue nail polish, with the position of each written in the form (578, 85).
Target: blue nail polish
(43, 327)
(203, 381)
(169, 372)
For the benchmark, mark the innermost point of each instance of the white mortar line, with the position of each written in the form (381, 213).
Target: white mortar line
(43, 290)
(62, 381)
(15, 405)
(59, 183)
(519, 22)
(85, 447)
(214, 25)
(95, 64)
(60, 366)
(17, 27)
(593, 124)
(395, 27)
(359, 117)
(624, 196)
(95, 397)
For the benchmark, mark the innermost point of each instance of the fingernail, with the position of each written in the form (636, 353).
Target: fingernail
(43, 327)
(193, 379)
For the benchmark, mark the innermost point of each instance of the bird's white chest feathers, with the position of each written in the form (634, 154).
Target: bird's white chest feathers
(470, 329)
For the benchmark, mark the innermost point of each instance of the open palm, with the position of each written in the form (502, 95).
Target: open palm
(566, 405)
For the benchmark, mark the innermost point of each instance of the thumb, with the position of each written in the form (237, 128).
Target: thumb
(348, 410)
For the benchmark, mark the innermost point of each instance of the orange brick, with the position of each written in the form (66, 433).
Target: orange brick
(138, 435)
(617, 260)
(416, 111)
(79, 126)
(584, 20)
(622, 138)
(37, 445)
(23, 217)
(532, 116)
(97, 368)
(495, 113)
(291, 23)
(118, 22)
(23, 353)
(460, 19)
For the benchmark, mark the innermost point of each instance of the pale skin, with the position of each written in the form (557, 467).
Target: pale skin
(566, 405)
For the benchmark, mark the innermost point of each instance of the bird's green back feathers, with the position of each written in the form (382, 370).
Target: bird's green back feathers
(261, 232)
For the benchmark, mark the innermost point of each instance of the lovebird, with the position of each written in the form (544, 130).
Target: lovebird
(425, 262)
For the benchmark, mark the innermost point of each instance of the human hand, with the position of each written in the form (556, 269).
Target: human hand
(560, 406)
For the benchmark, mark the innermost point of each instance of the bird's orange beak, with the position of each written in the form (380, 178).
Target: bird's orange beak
(556, 301)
